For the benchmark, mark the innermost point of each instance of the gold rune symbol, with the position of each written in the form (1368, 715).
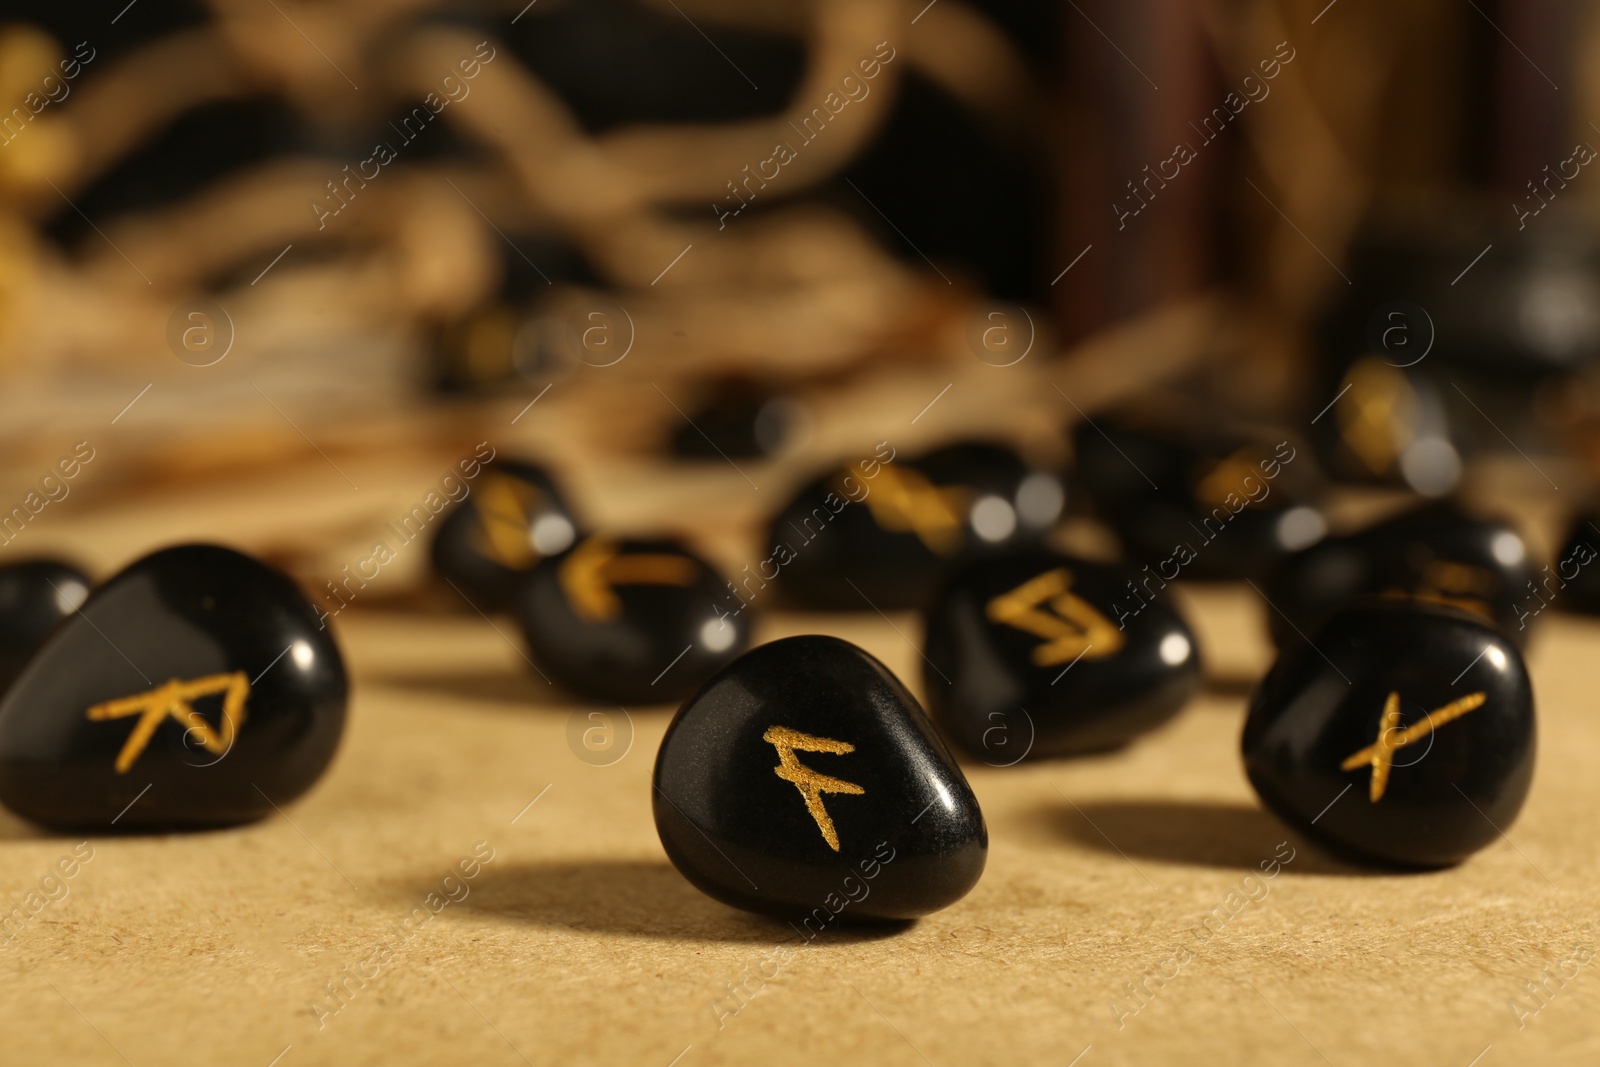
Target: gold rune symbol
(1380, 754)
(811, 784)
(1075, 629)
(904, 501)
(173, 699)
(588, 575)
(1376, 413)
(1230, 478)
(503, 505)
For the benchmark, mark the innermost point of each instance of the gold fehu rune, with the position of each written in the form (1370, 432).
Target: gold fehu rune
(594, 567)
(1072, 627)
(1380, 754)
(903, 501)
(811, 784)
(503, 505)
(173, 699)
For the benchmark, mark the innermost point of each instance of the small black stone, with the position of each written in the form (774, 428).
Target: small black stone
(513, 517)
(1436, 552)
(1206, 504)
(1386, 425)
(197, 672)
(34, 596)
(740, 420)
(880, 532)
(629, 621)
(1405, 737)
(1037, 654)
(803, 781)
(1574, 584)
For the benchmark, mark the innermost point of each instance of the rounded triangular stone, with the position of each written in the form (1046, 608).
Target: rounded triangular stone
(193, 689)
(804, 781)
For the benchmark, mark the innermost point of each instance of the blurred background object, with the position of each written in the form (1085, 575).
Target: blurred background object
(343, 238)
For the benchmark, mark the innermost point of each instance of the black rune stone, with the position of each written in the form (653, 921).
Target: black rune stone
(803, 781)
(194, 689)
(35, 595)
(1038, 654)
(513, 516)
(629, 621)
(1404, 736)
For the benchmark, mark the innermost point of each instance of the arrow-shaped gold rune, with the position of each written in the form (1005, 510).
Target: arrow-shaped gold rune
(811, 784)
(1380, 754)
(588, 575)
(503, 505)
(1076, 628)
(174, 699)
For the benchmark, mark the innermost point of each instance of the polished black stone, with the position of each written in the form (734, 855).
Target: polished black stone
(1405, 737)
(1437, 553)
(1442, 360)
(197, 672)
(1206, 504)
(1573, 584)
(513, 517)
(740, 419)
(803, 781)
(879, 532)
(1385, 424)
(34, 596)
(1037, 654)
(629, 621)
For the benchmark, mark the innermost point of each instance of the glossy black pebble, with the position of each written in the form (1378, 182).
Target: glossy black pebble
(803, 781)
(1404, 738)
(1435, 553)
(629, 621)
(218, 656)
(513, 516)
(878, 534)
(1574, 583)
(1024, 657)
(34, 596)
(740, 419)
(1211, 504)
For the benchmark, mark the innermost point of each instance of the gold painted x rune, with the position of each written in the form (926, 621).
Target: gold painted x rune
(1071, 626)
(811, 784)
(173, 699)
(1380, 754)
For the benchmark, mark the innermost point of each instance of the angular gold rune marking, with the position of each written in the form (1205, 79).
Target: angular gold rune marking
(1071, 626)
(503, 505)
(1230, 477)
(173, 699)
(587, 576)
(904, 501)
(811, 784)
(1380, 754)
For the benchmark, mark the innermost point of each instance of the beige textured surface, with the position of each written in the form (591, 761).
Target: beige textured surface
(578, 943)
